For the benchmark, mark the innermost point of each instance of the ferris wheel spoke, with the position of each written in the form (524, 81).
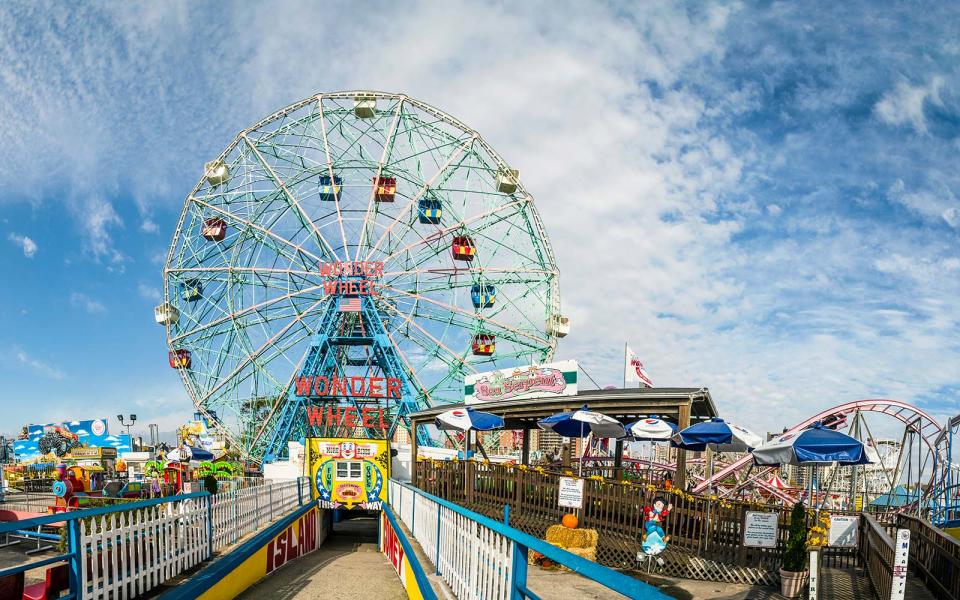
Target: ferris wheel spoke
(235, 316)
(458, 359)
(470, 315)
(336, 197)
(410, 370)
(263, 347)
(259, 366)
(305, 219)
(441, 233)
(453, 157)
(269, 234)
(387, 147)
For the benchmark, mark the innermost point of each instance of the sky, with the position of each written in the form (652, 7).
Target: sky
(760, 198)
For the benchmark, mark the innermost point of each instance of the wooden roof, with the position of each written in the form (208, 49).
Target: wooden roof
(625, 405)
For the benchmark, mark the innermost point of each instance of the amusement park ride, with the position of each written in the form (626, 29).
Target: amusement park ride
(355, 250)
(350, 258)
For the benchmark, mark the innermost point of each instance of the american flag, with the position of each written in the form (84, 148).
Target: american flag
(350, 304)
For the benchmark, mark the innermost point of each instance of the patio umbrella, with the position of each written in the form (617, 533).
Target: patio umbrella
(582, 423)
(465, 419)
(653, 430)
(816, 445)
(718, 435)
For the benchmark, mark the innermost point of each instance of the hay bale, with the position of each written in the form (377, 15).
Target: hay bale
(558, 535)
(587, 553)
(583, 538)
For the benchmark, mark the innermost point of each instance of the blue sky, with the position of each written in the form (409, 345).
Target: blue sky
(760, 197)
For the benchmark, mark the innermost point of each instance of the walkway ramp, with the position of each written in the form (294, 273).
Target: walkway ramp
(346, 567)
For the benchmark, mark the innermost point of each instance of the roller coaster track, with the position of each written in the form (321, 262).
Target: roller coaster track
(911, 416)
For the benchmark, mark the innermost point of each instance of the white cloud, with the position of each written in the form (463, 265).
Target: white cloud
(148, 292)
(87, 303)
(38, 366)
(905, 104)
(26, 244)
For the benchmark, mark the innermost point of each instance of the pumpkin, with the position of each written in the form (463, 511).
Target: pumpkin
(570, 520)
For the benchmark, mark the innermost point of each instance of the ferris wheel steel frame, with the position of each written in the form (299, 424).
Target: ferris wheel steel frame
(262, 205)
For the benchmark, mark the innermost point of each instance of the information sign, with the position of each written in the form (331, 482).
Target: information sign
(843, 531)
(571, 492)
(760, 529)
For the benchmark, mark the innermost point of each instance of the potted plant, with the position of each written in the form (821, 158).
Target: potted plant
(793, 571)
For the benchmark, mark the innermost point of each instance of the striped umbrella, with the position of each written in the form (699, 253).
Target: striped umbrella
(582, 423)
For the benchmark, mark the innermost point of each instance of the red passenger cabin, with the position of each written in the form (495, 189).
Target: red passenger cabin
(386, 188)
(180, 359)
(463, 248)
(484, 344)
(215, 229)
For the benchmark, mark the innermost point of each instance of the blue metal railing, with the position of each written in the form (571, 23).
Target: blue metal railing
(72, 522)
(419, 574)
(523, 543)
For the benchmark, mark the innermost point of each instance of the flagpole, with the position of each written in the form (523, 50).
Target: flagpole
(624, 365)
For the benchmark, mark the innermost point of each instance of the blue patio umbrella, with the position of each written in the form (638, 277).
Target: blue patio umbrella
(465, 419)
(718, 435)
(814, 445)
(582, 423)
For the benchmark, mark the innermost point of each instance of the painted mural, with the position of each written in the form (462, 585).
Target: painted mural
(42, 438)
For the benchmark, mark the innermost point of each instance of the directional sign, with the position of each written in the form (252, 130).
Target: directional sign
(901, 557)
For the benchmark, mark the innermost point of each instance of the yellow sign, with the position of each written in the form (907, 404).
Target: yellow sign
(349, 472)
(95, 452)
(858, 504)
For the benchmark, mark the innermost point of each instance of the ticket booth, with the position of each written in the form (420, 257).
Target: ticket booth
(349, 473)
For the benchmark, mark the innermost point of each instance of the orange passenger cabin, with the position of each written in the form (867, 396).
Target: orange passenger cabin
(180, 359)
(463, 248)
(214, 229)
(484, 344)
(386, 188)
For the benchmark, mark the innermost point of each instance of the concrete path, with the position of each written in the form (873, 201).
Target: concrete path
(346, 567)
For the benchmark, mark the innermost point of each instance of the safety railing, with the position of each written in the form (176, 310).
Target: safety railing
(480, 558)
(127, 550)
(241, 512)
(934, 557)
(876, 552)
(710, 527)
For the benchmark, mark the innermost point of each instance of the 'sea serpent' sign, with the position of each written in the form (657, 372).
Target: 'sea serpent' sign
(536, 381)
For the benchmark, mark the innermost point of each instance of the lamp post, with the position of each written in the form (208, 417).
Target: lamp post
(133, 419)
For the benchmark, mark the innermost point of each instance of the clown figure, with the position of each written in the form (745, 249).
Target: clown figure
(653, 518)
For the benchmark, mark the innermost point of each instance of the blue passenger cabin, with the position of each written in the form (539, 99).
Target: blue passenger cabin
(191, 290)
(330, 187)
(483, 295)
(430, 211)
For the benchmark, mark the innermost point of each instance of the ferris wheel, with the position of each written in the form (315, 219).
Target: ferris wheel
(454, 271)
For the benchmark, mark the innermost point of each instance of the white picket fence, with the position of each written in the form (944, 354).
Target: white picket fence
(474, 560)
(238, 513)
(124, 554)
(129, 552)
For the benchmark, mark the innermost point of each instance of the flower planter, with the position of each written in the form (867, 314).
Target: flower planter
(792, 582)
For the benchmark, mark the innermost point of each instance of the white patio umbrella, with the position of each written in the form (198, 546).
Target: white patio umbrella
(582, 423)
